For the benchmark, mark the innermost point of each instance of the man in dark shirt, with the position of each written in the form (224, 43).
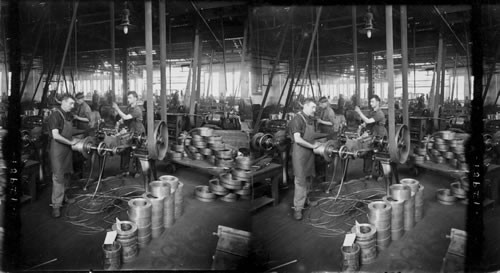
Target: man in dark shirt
(132, 118)
(301, 129)
(326, 118)
(375, 125)
(60, 153)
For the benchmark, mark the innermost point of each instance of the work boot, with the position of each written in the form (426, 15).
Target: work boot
(297, 214)
(56, 212)
(311, 203)
(69, 200)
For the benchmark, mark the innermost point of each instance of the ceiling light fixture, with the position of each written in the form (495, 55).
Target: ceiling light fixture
(368, 29)
(125, 24)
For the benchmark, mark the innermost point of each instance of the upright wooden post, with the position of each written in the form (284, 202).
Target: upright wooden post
(355, 53)
(112, 30)
(390, 77)
(404, 56)
(149, 74)
(163, 60)
(369, 71)
(194, 74)
(436, 104)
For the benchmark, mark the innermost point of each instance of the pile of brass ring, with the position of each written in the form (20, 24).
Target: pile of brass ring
(457, 190)
(445, 197)
(228, 182)
(216, 187)
(204, 194)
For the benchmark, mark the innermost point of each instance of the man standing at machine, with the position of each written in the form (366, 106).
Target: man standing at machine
(82, 111)
(132, 118)
(326, 118)
(301, 129)
(375, 127)
(60, 153)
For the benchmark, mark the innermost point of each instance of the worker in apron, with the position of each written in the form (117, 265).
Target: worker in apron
(81, 120)
(301, 130)
(132, 118)
(60, 153)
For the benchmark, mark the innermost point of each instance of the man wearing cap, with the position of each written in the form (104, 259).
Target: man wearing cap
(326, 118)
(301, 129)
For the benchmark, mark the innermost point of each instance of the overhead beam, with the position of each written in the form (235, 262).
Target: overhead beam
(206, 24)
(449, 27)
(70, 31)
(315, 32)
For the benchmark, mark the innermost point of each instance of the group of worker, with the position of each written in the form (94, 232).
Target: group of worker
(63, 137)
(302, 130)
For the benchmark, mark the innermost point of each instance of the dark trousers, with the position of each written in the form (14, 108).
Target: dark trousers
(125, 162)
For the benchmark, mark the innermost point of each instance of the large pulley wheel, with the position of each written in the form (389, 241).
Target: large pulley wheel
(158, 149)
(400, 150)
(261, 141)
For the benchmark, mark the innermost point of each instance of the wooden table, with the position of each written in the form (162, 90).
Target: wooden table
(270, 172)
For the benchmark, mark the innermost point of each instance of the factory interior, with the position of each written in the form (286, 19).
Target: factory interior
(246, 136)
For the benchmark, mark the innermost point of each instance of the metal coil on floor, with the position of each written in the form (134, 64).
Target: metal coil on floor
(457, 190)
(159, 188)
(440, 160)
(419, 203)
(397, 217)
(175, 155)
(228, 163)
(350, 256)
(449, 155)
(179, 201)
(244, 163)
(367, 240)
(205, 131)
(196, 138)
(435, 152)
(112, 256)
(224, 154)
(228, 182)
(210, 159)
(421, 151)
(243, 175)
(204, 194)
(192, 149)
(380, 216)
(216, 187)
(230, 197)
(409, 213)
(447, 135)
(200, 145)
(172, 180)
(157, 207)
(410, 182)
(139, 208)
(400, 192)
(127, 237)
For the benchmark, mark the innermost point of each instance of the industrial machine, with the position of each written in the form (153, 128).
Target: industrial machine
(108, 143)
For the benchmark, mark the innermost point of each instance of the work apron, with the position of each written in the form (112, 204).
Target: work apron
(303, 158)
(327, 129)
(61, 154)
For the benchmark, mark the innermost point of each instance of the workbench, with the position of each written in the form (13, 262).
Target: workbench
(271, 173)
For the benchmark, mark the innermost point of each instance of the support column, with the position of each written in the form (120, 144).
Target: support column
(163, 60)
(390, 78)
(369, 71)
(194, 74)
(404, 56)
(70, 31)
(125, 74)
(149, 74)
(355, 53)
(113, 61)
(437, 88)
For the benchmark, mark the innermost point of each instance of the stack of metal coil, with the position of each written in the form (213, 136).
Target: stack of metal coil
(404, 220)
(170, 202)
(380, 217)
(366, 239)
(444, 147)
(227, 188)
(140, 211)
(127, 237)
(112, 256)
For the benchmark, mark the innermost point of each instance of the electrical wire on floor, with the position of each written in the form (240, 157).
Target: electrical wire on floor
(92, 213)
(335, 214)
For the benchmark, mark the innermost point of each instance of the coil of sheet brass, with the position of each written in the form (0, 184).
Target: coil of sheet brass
(228, 182)
(204, 194)
(445, 197)
(241, 174)
(216, 187)
(230, 197)
(244, 163)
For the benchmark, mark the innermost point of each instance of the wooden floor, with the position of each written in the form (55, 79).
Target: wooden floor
(277, 237)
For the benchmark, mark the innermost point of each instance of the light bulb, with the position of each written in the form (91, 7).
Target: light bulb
(369, 34)
(125, 30)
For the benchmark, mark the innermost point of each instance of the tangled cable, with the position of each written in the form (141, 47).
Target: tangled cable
(333, 216)
(93, 213)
